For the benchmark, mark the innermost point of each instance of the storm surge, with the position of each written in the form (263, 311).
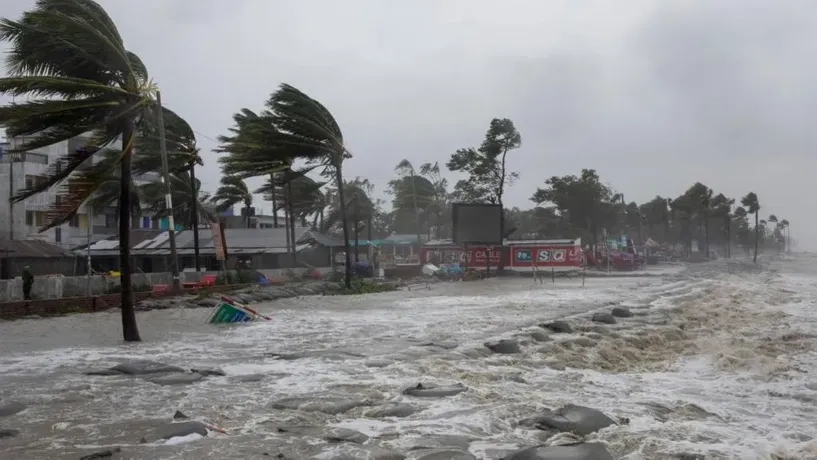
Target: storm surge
(714, 360)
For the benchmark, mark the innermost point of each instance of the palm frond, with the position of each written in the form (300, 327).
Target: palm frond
(73, 38)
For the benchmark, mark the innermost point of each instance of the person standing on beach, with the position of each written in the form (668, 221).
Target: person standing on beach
(28, 281)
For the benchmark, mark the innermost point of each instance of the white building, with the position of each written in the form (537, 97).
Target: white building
(22, 221)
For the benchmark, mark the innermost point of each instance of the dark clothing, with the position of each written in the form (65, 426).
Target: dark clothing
(28, 281)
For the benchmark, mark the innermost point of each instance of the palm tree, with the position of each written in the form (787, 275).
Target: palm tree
(357, 211)
(182, 156)
(253, 150)
(68, 55)
(299, 196)
(408, 186)
(752, 205)
(231, 192)
(188, 209)
(302, 193)
(721, 207)
(293, 126)
(431, 171)
(784, 225)
(306, 129)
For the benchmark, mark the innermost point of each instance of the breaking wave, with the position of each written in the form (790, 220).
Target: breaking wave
(714, 361)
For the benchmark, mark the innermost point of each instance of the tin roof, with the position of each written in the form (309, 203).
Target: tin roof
(18, 249)
(239, 241)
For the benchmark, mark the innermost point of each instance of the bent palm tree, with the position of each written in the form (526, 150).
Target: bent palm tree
(231, 192)
(68, 56)
(294, 126)
(188, 209)
(752, 205)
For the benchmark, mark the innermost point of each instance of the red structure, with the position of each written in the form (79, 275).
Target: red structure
(517, 255)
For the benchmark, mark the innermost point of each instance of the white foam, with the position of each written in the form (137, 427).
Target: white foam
(758, 407)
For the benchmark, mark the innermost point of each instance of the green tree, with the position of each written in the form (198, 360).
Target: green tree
(656, 214)
(784, 226)
(721, 209)
(357, 211)
(232, 191)
(304, 195)
(413, 197)
(752, 205)
(584, 200)
(438, 209)
(68, 57)
(486, 166)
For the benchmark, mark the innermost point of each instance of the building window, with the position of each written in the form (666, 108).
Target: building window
(35, 158)
(29, 217)
(34, 181)
(74, 222)
(58, 235)
(110, 221)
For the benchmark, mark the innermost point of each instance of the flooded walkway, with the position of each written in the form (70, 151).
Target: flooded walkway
(691, 371)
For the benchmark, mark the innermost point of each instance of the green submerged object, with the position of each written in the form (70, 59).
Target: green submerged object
(226, 312)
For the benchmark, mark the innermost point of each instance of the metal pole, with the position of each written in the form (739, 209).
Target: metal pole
(194, 189)
(171, 226)
(11, 194)
(13, 143)
(88, 250)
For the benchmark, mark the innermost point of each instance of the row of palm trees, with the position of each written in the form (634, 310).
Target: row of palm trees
(69, 64)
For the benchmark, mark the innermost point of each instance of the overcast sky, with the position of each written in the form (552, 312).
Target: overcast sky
(655, 95)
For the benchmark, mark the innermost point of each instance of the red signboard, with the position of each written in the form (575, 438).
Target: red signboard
(525, 258)
(219, 242)
(475, 256)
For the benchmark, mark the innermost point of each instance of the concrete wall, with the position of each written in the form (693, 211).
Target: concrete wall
(76, 286)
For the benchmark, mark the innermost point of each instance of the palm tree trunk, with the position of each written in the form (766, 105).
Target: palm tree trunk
(194, 217)
(286, 228)
(416, 210)
(130, 330)
(345, 223)
(357, 237)
(706, 233)
(274, 202)
(291, 223)
(757, 235)
(320, 228)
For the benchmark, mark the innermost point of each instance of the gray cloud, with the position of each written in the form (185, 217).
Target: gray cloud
(655, 95)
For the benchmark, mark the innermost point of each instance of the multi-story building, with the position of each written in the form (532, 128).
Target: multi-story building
(22, 221)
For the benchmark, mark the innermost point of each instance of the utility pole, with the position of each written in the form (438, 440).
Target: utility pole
(88, 250)
(194, 218)
(171, 226)
(11, 194)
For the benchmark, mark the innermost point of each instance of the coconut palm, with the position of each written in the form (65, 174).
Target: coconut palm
(357, 211)
(67, 56)
(784, 226)
(254, 149)
(293, 126)
(182, 156)
(188, 209)
(752, 205)
(302, 195)
(232, 191)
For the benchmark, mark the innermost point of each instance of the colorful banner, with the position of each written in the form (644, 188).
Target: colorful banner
(546, 256)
